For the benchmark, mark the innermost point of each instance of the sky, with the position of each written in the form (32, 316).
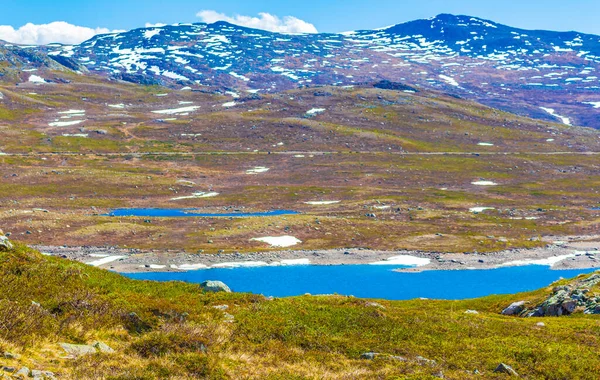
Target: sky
(73, 21)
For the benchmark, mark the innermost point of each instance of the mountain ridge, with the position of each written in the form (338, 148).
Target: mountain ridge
(541, 74)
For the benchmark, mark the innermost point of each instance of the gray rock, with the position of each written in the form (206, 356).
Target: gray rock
(23, 372)
(5, 244)
(221, 307)
(75, 350)
(515, 308)
(229, 318)
(10, 355)
(215, 287)
(103, 347)
(474, 312)
(369, 355)
(422, 360)
(503, 368)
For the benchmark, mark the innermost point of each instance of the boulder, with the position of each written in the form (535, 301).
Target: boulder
(37, 374)
(10, 355)
(503, 368)
(23, 373)
(103, 347)
(369, 355)
(215, 287)
(5, 244)
(515, 308)
(76, 350)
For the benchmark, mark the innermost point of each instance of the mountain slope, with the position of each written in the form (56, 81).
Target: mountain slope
(551, 75)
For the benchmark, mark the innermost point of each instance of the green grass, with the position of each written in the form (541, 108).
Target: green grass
(176, 333)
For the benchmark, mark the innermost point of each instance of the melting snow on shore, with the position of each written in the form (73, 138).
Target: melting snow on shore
(484, 183)
(104, 260)
(412, 261)
(257, 170)
(154, 266)
(550, 261)
(279, 241)
(565, 120)
(485, 144)
(175, 111)
(118, 106)
(318, 203)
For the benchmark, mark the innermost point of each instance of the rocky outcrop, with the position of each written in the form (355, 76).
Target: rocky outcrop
(215, 287)
(564, 300)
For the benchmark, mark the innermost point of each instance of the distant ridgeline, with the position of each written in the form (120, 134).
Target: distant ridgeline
(543, 74)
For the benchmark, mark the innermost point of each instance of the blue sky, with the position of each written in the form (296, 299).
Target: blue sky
(325, 15)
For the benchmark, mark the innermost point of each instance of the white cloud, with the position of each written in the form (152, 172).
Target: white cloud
(264, 21)
(58, 31)
(157, 25)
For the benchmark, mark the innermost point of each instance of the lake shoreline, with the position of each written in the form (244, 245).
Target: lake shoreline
(575, 252)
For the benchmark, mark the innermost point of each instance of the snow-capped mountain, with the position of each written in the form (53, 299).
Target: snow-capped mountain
(552, 75)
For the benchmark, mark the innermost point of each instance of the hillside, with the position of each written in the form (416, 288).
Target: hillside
(542, 74)
(174, 330)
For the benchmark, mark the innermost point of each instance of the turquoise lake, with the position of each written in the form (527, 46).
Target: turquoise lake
(371, 281)
(191, 213)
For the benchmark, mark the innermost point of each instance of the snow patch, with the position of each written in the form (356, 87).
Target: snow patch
(65, 123)
(196, 195)
(176, 111)
(317, 203)
(36, 79)
(406, 260)
(105, 260)
(565, 120)
(478, 210)
(257, 170)
(451, 81)
(279, 241)
(315, 111)
(550, 261)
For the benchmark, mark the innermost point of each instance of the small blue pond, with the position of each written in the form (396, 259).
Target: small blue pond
(371, 281)
(190, 213)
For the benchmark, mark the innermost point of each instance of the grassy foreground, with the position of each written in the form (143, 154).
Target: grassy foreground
(176, 332)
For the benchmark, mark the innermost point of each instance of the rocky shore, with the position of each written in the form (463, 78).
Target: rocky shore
(567, 253)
